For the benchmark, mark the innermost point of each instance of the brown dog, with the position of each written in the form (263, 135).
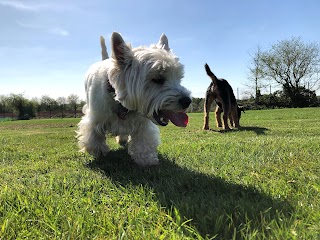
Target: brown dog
(221, 92)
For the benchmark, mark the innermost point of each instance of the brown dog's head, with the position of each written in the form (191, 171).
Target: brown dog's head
(240, 109)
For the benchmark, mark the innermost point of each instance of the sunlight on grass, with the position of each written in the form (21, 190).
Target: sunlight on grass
(258, 182)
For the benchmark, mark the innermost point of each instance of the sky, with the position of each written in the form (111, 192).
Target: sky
(47, 46)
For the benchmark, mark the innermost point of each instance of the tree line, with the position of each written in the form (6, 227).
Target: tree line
(277, 99)
(18, 106)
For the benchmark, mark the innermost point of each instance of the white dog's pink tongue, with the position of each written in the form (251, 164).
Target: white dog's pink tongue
(179, 119)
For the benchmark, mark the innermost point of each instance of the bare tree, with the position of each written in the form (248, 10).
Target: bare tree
(36, 103)
(294, 65)
(256, 74)
(73, 100)
(61, 101)
(47, 103)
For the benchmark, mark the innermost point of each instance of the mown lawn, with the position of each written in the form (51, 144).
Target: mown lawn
(259, 182)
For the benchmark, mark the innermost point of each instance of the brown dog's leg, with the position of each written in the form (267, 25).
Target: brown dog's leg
(226, 112)
(231, 119)
(207, 105)
(234, 115)
(218, 116)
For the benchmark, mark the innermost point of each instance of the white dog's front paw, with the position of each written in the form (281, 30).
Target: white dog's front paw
(145, 160)
(100, 151)
(147, 163)
(122, 140)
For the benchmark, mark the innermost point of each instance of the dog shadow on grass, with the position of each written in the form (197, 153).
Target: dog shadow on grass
(257, 130)
(214, 206)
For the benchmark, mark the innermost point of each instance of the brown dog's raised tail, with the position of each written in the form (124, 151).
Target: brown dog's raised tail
(210, 74)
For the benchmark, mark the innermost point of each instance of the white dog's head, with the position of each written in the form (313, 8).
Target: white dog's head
(147, 80)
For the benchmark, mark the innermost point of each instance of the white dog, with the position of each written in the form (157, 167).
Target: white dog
(128, 94)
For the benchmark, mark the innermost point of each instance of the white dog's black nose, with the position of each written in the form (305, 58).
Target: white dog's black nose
(185, 102)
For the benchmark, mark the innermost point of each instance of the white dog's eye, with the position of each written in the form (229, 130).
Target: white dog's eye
(159, 80)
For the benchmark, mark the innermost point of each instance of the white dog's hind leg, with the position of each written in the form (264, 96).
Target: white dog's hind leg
(143, 144)
(91, 137)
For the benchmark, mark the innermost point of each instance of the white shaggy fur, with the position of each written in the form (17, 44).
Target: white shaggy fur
(146, 82)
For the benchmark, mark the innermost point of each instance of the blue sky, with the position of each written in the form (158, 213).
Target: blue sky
(47, 46)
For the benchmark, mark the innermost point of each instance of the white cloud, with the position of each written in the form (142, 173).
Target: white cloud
(52, 30)
(21, 6)
(37, 7)
(26, 25)
(58, 31)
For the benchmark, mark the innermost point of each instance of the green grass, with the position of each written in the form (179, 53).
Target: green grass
(259, 182)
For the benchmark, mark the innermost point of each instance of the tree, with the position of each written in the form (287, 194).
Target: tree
(196, 105)
(47, 104)
(36, 104)
(73, 100)
(61, 101)
(294, 65)
(256, 74)
(22, 106)
(3, 105)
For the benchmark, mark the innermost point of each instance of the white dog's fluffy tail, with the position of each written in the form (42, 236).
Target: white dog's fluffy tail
(104, 52)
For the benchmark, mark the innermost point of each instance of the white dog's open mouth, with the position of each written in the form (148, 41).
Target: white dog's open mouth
(179, 119)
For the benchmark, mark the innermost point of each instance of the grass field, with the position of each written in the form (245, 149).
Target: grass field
(259, 182)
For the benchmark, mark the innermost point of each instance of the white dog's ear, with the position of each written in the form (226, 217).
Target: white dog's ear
(163, 42)
(120, 51)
